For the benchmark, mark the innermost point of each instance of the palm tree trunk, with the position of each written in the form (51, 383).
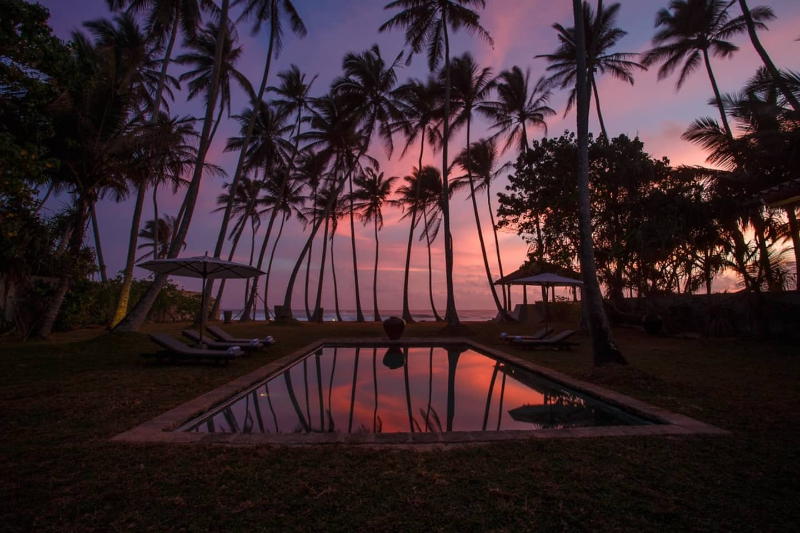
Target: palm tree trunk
(217, 122)
(237, 176)
(43, 200)
(496, 243)
(359, 313)
(286, 309)
(136, 317)
(375, 311)
(777, 78)
(795, 234)
(335, 283)
(450, 315)
(271, 223)
(604, 349)
(353, 391)
(127, 276)
(318, 303)
(763, 250)
(717, 96)
(97, 246)
(492, 288)
(406, 311)
(597, 107)
(430, 266)
(308, 267)
(452, 362)
(269, 267)
(155, 222)
(75, 244)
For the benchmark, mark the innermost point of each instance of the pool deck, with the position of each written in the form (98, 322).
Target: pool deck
(163, 427)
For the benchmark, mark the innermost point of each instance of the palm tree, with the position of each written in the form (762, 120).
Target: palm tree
(161, 231)
(471, 87)
(367, 90)
(421, 107)
(422, 192)
(604, 349)
(291, 200)
(138, 314)
(372, 192)
(164, 18)
(467, 161)
(485, 158)
(268, 149)
(765, 13)
(337, 212)
(518, 106)
(95, 137)
(335, 134)
(292, 98)
(427, 24)
(245, 194)
(689, 30)
(601, 36)
(200, 58)
(272, 12)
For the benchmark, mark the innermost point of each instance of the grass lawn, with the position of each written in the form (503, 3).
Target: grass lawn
(61, 400)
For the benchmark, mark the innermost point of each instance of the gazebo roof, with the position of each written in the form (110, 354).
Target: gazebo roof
(779, 195)
(533, 268)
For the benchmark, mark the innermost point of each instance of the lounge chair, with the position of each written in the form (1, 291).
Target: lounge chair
(558, 342)
(539, 335)
(247, 346)
(175, 350)
(224, 336)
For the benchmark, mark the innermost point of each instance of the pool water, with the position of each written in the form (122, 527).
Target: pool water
(412, 389)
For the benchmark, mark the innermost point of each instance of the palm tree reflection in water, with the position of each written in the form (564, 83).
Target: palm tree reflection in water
(535, 403)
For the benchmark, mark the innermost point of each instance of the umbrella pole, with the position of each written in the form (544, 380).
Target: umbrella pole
(203, 311)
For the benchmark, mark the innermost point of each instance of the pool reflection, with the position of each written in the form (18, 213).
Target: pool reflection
(430, 389)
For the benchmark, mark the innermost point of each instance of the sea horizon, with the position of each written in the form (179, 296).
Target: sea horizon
(349, 315)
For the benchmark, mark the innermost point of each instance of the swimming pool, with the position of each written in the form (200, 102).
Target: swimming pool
(414, 392)
(354, 389)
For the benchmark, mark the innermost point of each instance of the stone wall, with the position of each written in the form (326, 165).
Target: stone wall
(726, 314)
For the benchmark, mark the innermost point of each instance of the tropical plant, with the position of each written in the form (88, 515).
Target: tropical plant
(518, 105)
(422, 109)
(161, 231)
(427, 24)
(604, 349)
(479, 161)
(689, 29)
(273, 13)
(371, 194)
(471, 87)
(139, 313)
(367, 89)
(601, 35)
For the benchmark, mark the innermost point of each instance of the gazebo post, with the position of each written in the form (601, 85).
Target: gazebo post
(525, 294)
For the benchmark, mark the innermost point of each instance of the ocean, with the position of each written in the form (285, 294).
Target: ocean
(329, 315)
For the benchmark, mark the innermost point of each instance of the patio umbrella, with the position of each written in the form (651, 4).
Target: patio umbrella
(547, 281)
(203, 267)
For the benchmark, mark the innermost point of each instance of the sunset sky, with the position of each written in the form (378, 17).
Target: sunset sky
(521, 29)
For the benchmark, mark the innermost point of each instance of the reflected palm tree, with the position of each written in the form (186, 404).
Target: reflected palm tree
(290, 389)
(489, 397)
(272, 409)
(430, 389)
(502, 394)
(375, 384)
(258, 411)
(452, 362)
(319, 387)
(305, 386)
(408, 391)
(353, 393)
(330, 391)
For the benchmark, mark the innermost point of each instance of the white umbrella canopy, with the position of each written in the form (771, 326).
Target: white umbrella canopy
(203, 267)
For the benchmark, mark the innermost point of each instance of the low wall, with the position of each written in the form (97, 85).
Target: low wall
(725, 314)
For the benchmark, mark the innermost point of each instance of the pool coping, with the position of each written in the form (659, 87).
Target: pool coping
(162, 428)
